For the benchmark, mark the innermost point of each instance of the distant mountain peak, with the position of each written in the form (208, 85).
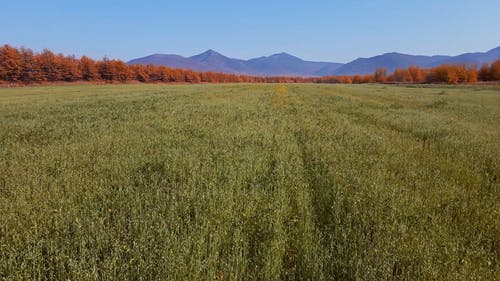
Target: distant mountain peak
(282, 57)
(282, 54)
(207, 54)
(393, 54)
(210, 52)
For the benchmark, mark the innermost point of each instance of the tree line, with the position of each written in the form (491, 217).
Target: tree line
(446, 73)
(23, 66)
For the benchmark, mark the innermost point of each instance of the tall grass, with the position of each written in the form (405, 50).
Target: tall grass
(250, 182)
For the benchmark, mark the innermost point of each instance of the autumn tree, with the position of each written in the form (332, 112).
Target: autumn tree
(105, 70)
(88, 69)
(451, 76)
(155, 75)
(68, 69)
(484, 72)
(401, 75)
(11, 64)
(139, 73)
(495, 71)
(121, 71)
(471, 75)
(380, 75)
(31, 71)
(442, 74)
(191, 77)
(417, 74)
(48, 65)
(345, 79)
(356, 79)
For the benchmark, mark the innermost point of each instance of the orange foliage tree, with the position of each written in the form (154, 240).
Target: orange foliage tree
(495, 71)
(401, 75)
(417, 74)
(11, 64)
(31, 71)
(88, 69)
(484, 72)
(380, 75)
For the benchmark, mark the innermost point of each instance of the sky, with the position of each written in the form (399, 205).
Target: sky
(335, 31)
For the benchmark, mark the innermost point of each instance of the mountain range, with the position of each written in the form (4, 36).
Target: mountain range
(284, 64)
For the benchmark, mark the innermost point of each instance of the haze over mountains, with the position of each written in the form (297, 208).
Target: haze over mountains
(277, 64)
(284, 64)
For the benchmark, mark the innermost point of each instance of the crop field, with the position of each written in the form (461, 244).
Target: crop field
(250, 182)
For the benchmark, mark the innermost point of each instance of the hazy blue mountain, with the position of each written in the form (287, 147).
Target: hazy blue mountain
(284, 64)
(217, 62)
(397, 60)
(278, 64)
(390, 60)
(474, 58)
(329, 68)
(173, 61)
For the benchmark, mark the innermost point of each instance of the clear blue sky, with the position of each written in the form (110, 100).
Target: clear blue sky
(315, 30)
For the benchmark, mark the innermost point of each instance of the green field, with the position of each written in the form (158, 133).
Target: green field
(250, 182)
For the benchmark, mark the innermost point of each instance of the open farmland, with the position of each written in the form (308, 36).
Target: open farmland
(250, 182)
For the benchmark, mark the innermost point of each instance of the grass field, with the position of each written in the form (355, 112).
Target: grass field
(250, 182)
